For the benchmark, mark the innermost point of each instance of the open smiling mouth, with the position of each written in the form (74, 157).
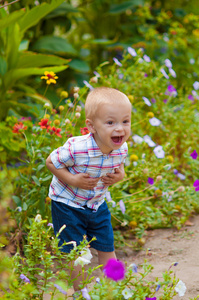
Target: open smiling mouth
(117, 139)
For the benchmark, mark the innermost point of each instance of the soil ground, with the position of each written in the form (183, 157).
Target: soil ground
(168, 246)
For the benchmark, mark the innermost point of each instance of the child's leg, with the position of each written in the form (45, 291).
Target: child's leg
(76, 275)
(103, 257)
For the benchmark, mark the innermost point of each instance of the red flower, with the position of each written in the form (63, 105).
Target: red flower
(56, 131)
(84, 130)
(44, 123)
(18, 127)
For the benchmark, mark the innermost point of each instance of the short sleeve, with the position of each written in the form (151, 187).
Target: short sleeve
(124, 152)
(63, 156)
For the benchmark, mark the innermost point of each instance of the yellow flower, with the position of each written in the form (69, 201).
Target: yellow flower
(131, 97)
(133, 224)
(150, 114)
(170, 158)
(50, 77)
(133, 157)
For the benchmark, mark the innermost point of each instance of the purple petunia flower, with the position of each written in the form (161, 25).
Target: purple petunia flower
(24, 278)
(194, 154)
(175, 171)
(150, 180)
(158, 287)
(50, 225)
(165, 100)
(131, 51)
(60, 289)
(146, 58)
(171, 91)
(88, 84)
(196, 185)
(114, 269)
(122, 206)
(147, 298)
(117, 61)
(108, 196)
(164, 73)
(190, 97)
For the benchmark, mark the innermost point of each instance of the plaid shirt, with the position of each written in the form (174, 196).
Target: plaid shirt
(81, 154)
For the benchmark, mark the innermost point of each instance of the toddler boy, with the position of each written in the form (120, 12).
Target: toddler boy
(84, 167)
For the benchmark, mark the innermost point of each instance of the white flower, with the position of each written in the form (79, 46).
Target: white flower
(67, 121)
(131, 51)
(194, 93)
(76, 89)
(38, 218)
(196, 85)
(46, 105)
(146, 100)
(81, 261)
(146, 58)
(154, 121)
(159, 152)
(140, 60)
(180, 288)
(164, 73)
(86, 254)
(77, 115)
(137, 139)
(149, 141)
(192, 61)
(127, 293)
(172, 72)
(168, 63)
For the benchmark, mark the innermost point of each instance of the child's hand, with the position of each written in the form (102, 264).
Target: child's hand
(84, 181)
(112, 178)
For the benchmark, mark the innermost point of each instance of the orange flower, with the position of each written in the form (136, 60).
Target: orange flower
(18, 127)
(50, 77)
(84, 130)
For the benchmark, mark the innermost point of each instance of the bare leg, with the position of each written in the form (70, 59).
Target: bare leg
(103, 257)
(77, 275)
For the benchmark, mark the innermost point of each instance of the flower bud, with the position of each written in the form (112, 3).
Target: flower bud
(171, 193)
(47, 116)
(76, 95)
(46, 105)
(131, 97)
(158, 178)
(150, 114)
(76, 89)
(170, 158)
(94, 79)
(64, 94)
(56, 122)
(78, 108)
(180, 189)
(67, 121)
(145, 171)
(77, 115)
(61, 108)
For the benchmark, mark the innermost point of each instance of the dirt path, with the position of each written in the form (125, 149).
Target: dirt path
(168, 246)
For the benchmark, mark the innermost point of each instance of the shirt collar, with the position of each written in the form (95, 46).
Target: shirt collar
(94, 150)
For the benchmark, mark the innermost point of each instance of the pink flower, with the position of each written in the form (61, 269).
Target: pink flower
(114, 269)
(150, 180)
(196, 185)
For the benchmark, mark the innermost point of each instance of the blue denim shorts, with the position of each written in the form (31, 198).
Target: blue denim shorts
(80, 222)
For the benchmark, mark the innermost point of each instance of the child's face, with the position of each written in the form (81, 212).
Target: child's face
(111, 126)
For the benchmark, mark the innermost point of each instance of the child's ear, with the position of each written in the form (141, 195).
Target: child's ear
(90, 126)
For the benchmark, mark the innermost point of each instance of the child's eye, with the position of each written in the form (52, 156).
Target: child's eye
(126, 121)
(110, 122)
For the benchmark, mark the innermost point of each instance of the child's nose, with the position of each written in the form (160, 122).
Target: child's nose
(119, 127)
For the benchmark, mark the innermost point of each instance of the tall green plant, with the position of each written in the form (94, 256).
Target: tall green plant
(16, 63)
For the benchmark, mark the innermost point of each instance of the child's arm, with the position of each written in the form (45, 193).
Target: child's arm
(112, 178)
(81, 180)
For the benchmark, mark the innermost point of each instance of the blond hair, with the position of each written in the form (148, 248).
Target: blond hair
(103, 95)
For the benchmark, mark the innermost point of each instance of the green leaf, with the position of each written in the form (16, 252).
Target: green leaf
(13, 75)
(32, 59)
(39, 99)
(24, 45)
(119, 8)
(46, 178)
(17, 200)
(11, 18)
(36, 180)
(102, 42)
(63, 9)
(54, 44)
(3, 66)
(33, 16)
(13, 42)
(79, 65)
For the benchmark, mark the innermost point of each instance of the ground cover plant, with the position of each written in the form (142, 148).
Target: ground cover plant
(159, 189)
